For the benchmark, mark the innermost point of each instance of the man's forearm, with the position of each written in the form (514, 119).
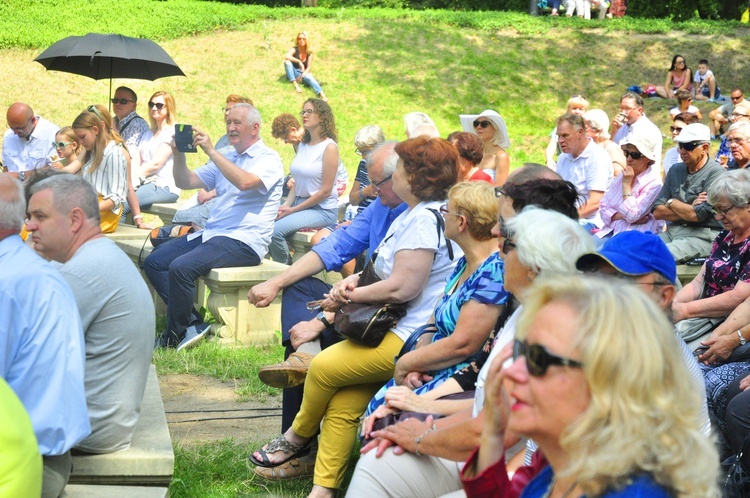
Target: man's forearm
(307, 266)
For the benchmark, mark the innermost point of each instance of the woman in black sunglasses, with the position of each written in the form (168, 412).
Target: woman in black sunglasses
(603, 391)
(627, 203)
(490, 127)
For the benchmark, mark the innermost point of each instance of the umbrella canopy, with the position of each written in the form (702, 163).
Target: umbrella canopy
(109, 56)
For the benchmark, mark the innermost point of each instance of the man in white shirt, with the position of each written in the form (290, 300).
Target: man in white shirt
(631, 120)
(584, 164)
(29, 143)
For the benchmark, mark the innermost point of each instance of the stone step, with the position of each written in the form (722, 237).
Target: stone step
(95, 491)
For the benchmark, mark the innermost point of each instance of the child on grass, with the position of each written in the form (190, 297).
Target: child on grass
(706, 87)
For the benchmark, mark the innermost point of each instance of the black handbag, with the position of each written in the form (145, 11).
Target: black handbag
(735, 482)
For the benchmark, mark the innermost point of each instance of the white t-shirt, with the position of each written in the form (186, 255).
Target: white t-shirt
(676, 110)
(698, 78)
(417, 229)
(671, 157)
(307, 170)
(591, 170)
(148, 150)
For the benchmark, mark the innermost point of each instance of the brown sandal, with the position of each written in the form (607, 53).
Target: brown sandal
(296, 468)
(289, 373)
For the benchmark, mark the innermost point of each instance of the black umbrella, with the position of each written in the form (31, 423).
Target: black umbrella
(109, 56)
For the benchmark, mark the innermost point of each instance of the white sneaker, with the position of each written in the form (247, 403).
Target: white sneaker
(193, 336)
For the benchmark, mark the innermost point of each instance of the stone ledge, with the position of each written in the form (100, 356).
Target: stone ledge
(165, 211)
(686, 273)
(150, 458)
(97, 491)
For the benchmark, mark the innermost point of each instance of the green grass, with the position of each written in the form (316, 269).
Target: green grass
(237, 363)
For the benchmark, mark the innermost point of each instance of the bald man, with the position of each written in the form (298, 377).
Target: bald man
(30, 141)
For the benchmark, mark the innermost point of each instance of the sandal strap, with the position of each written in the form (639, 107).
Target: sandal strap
(281, 444)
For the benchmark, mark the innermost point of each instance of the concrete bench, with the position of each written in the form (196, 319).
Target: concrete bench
(165, 211)
(126, 232)
(148, 462)
(98, 491)
(238, 321)
(138, 249)
(686, 273)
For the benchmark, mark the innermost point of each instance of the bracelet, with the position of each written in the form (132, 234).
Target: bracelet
(419, 439)
(625, 196)
(137, 217)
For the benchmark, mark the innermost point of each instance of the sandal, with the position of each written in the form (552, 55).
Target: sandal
(295, 468)
(280, 444)
(289, 373)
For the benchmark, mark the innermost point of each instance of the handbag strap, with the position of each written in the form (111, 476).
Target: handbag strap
(440, 229)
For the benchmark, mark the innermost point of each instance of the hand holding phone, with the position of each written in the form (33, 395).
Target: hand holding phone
(183, 138)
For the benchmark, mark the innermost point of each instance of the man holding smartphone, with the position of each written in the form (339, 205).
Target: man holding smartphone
(247, 177)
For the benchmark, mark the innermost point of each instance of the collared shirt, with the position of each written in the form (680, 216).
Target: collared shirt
(20, 154)
(644, 190)
(134, 130)
(247, 216)
(42, 347)
(366, 232)
(686, 187)
(591, 170)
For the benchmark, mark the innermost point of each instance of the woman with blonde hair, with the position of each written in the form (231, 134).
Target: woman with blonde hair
(490, 127)
(153, 163)
(104, 166)
(298, 65)
(602, 389)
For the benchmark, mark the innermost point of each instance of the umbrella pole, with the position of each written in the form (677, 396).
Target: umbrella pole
(110, 95)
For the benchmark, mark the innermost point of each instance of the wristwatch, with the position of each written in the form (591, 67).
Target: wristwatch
(743, 341)
(669, 203)
(322, 317)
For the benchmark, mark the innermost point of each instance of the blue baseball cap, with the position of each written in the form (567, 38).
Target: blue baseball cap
(634, 253)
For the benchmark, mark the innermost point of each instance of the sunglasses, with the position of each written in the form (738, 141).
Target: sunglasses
(159, 106)
(690, 146)
(121, 101)
(62, 145)
(508, 246)
(538, 359)
(635, 154)
(481, 124)
(739, 97)
(92, 108)
(676, 129)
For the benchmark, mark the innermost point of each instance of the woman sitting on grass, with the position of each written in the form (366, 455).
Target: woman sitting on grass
(679, 77)
(298, 66)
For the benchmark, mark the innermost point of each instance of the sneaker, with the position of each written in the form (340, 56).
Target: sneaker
(194, 334)
(711, 101)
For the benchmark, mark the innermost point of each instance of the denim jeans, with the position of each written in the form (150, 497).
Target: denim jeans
(294, 310)
(315, 217)
(173, 267)
(150, 194)
(293, 72)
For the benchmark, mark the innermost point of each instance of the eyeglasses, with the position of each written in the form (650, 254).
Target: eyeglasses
(634, 154)
(444, 210)
(627, 109)
(720, 211)
(20, 128)
(376, 185)
(508, 245)
(226, 109)
(739, 97)
(62, 145)
(676, 129)
(306, 112)
(92, 108)
(738, 115)
(736, 140)
(499, 191)
(121, 101)
(690, 146)
(538, 359)
(159, 105)
(480, 124)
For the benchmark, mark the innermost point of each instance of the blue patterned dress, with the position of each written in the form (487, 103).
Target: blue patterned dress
(485, 286)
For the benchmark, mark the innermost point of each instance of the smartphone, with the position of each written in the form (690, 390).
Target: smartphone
(183, 137)
(700, 350)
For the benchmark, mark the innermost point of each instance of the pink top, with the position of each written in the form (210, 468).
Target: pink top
(645, 190)
(677, 82)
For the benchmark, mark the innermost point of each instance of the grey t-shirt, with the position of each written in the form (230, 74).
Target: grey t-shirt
(685, 187)
(117, 314)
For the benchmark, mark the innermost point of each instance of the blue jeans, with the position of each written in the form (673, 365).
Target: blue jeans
(293, 72)
(294, 310)
(315, 217)
(150, 194)
(173, 267)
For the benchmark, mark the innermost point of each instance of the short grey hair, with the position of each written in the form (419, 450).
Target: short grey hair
(253, 114)
(741, 127)
(733, 186)
(368, 137)
(548, 242)
(414, 119)
(12, 207)
(598, 120)
(391, 159)
(70, 192)
(575, 120)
